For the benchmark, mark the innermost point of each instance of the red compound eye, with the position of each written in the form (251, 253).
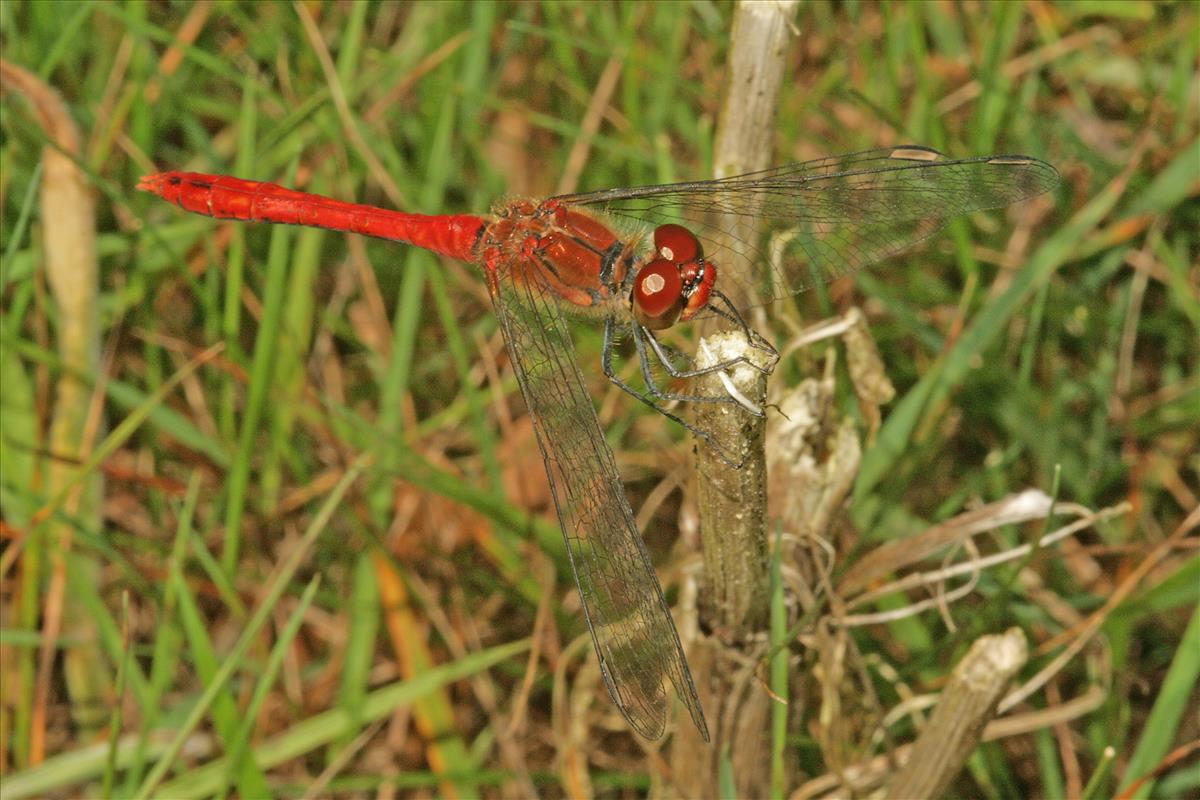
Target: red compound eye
(676, 243)
(658, 295)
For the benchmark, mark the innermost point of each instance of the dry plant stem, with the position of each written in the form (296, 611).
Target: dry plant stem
(68, 217)
(966, 705)
(731, 504)
(871, 382)
(732, 500)
(872, 772)
(973, 566)
(570, 718)
(601, 99)
(349, 124)
(893, 556)
(761, 36)
(737, 567)
(869, 773)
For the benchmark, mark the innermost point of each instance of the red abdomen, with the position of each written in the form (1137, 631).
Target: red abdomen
(224, 197)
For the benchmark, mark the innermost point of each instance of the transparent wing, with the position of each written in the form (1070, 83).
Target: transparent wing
(630, 622)
(802, 224)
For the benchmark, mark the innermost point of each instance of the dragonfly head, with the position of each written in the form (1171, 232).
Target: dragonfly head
(675, 285)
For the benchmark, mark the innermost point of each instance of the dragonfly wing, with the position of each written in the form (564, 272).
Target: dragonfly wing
(630, 622)
(807, 223)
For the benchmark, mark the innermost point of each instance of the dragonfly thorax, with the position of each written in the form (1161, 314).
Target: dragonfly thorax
(574, 255)
(580, 259)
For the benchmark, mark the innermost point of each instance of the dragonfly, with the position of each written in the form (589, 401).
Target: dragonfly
(641, 261)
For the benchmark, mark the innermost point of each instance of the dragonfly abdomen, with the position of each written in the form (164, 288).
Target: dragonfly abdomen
(225, 197)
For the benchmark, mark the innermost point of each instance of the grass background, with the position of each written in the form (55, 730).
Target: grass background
(247, 590)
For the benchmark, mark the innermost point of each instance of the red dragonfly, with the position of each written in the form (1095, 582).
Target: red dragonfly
(641, 260)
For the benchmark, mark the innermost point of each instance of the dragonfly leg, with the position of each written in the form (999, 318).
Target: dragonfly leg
(641, 336)
(730, 314)
(732, 393)
(654, 400)
(665, 359)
